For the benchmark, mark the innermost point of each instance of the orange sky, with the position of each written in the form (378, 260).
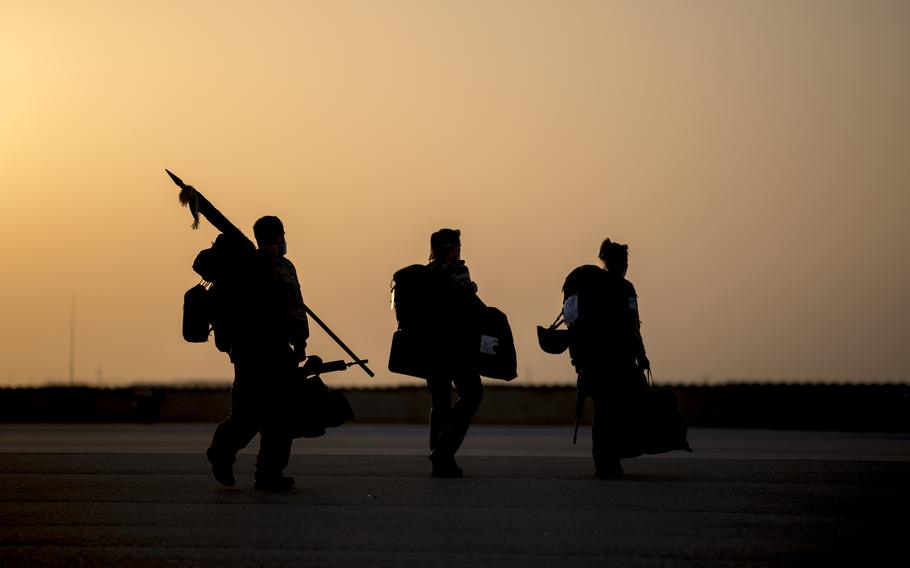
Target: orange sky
(754, 155)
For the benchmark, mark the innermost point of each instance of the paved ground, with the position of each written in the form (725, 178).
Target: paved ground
(132, 495)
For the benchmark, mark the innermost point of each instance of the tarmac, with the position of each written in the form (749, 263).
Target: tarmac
(143, 495)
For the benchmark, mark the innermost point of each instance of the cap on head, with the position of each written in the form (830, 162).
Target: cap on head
(443, 239)
(614, 254)
(268, 230)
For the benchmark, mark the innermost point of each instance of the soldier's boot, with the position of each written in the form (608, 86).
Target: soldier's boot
(606, 466)
(222, 467)
(274, 483)
(444, 465)
(611, 470)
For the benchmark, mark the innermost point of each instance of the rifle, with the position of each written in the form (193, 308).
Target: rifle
(315, 366)
(199, 205)
(579, 413)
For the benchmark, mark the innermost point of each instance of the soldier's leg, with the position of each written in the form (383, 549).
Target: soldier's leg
(233, 434)
(470, 394)
(274, 454)
(441, 414)
(440, 407)
(274, 437)
(605, 432)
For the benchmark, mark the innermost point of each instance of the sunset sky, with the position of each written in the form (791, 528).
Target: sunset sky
(755, 156)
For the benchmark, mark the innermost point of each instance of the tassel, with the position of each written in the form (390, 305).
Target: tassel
(190, 197)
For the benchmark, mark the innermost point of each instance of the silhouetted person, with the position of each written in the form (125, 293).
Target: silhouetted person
(268, 332)
(608, 354)
(449, 423)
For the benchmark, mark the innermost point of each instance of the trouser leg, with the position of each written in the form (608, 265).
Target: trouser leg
(258, 403)
(274, 453)
(274, 437)
(470, 393)
(440, 407)
(603, 431)
(236, 431)
(616, 428)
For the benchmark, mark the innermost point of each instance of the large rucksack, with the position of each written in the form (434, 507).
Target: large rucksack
(438, 328)
(209, 305)
(598, 310)
(416, 345)
(416, 297)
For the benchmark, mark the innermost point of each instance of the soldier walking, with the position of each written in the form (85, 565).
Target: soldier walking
(268, 330)
(457, 321)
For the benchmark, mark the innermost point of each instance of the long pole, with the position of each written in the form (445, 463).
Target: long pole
(199, 205)
(73, 340)
(338, 340)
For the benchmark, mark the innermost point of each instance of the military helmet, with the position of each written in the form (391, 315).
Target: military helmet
(552, 340)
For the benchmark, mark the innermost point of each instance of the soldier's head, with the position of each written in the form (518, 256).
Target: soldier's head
(614, 256)
(445, 245)
(269, 233)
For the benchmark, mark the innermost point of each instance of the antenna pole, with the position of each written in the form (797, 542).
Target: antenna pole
(73, 341)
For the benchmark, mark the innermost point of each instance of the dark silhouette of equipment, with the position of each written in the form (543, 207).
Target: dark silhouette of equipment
(313, 406)
(598, 333)
(555, 341)
(198, 205)
(434, 327)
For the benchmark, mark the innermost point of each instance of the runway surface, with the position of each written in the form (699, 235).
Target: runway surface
(143, 495)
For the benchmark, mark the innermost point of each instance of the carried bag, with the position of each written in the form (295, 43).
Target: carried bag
(496, 358)
(435, 334)
(415, 354)
(210, 304)
(197, 314)
(314, 406)
(419, 354)
(415, 345)
(662, 427)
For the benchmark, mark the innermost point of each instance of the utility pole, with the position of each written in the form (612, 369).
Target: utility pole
(73, 341)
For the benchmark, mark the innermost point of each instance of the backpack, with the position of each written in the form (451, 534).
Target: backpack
(415, 350)
(209, 305)
(197, 314)
(599, 309)
(415, 297)
(438, 328)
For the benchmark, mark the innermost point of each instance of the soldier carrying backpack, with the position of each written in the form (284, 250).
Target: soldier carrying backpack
(604, 340)
(268, 334)
(447, 336)
(254, 305)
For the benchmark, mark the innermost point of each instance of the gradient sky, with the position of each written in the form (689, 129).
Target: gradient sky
(754, 155)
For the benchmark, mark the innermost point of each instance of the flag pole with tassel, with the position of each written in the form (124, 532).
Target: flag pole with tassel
(193, 199)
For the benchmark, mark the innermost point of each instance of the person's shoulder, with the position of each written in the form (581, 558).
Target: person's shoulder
(273, 265)
(440, 269)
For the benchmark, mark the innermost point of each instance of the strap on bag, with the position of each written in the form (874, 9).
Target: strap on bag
(558, 321)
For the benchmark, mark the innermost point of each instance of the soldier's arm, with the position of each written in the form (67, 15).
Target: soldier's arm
(295, 311)
(637, 339)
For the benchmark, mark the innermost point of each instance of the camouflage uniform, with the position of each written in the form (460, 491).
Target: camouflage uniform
(269, 321)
